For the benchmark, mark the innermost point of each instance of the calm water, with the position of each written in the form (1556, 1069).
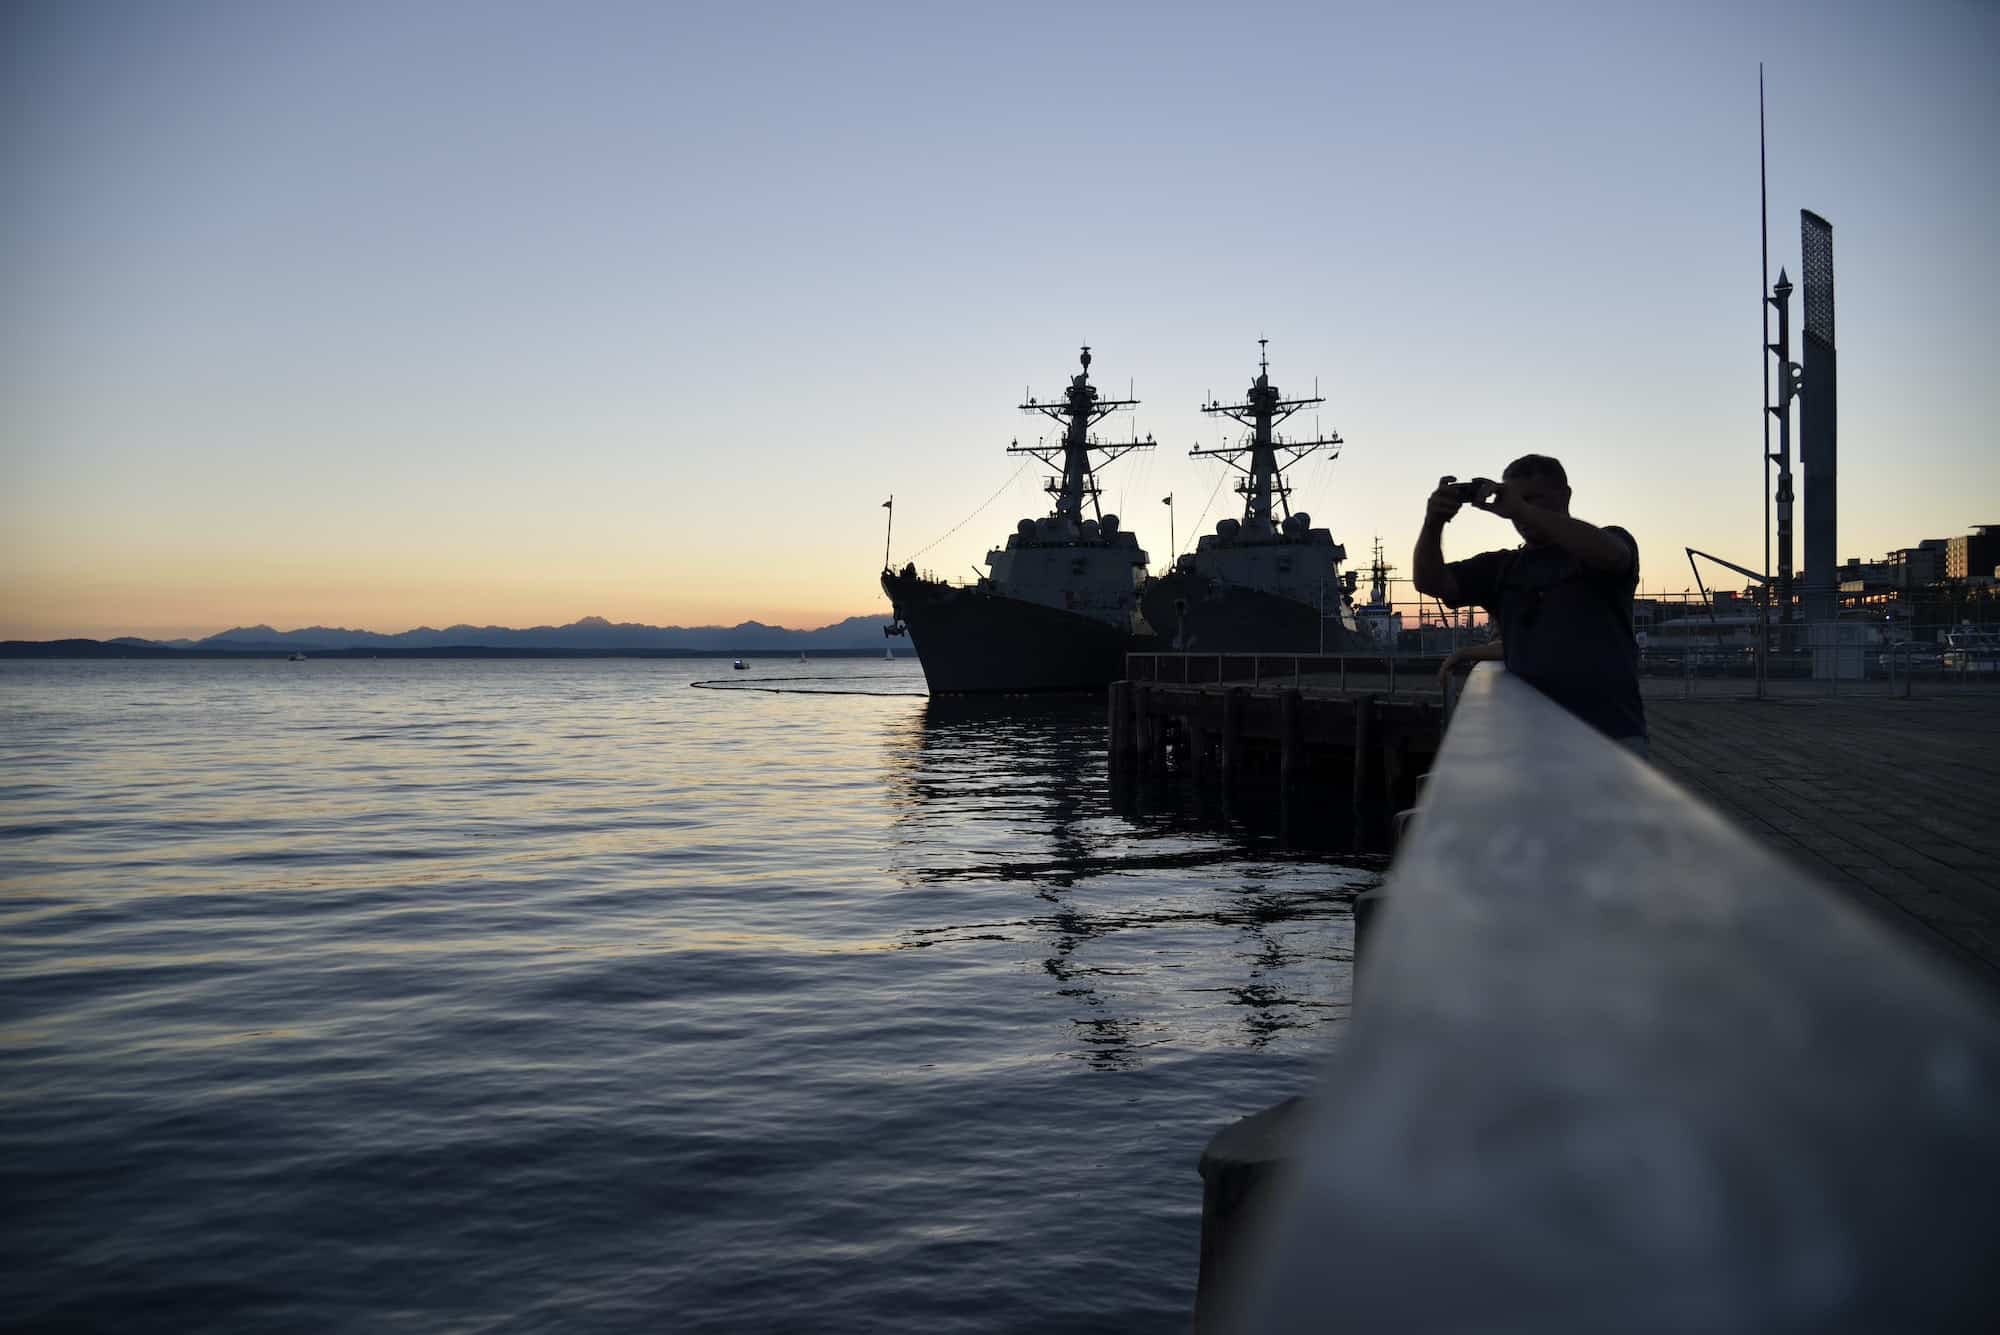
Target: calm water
(562, 995)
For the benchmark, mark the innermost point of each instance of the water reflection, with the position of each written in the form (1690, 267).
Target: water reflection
(1152, 920)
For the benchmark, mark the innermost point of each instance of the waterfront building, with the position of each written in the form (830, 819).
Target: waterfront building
(1974, 555)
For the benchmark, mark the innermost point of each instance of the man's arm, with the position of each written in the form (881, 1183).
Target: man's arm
(1490, 652)
(1427, 568)
(1603, 552)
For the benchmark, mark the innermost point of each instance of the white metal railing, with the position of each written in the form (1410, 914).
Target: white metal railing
(1615, 1066)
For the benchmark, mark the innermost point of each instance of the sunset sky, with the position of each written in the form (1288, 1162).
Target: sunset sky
(417, 313)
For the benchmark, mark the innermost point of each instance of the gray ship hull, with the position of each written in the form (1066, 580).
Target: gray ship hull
(975, 643)
(1194, 614)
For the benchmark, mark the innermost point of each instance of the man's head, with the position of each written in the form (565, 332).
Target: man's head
(1541, 482)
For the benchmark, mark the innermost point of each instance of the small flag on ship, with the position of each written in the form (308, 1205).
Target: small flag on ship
(889, 504)
(1167, 499)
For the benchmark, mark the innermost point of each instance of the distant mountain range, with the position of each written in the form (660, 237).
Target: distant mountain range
(590, 635)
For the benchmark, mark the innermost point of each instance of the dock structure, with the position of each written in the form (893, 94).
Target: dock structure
(1884, 793)
(1617, 1065)
(1279, 717)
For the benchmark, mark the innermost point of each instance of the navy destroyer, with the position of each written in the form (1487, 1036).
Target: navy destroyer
(1269, 582)
(1058, 608)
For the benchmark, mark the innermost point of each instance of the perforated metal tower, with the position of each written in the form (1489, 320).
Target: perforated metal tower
(1819, 432)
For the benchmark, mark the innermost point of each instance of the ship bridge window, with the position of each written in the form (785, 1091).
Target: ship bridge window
(1076, 566)
(1284, 565)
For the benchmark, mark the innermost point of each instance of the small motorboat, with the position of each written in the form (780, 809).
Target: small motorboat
(296, 657)
(738, 665)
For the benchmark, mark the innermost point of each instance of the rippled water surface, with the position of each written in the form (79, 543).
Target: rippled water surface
(564, 995)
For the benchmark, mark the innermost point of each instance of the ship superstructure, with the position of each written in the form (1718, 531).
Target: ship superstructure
(1269, 582)
(1379, 622)
(1059, 606)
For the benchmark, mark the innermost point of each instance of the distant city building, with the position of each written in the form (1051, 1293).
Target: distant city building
(1919, 566)
(1867, 584)
(1974, 554)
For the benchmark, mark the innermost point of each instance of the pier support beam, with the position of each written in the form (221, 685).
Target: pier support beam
(1364, 739)
(1232, 735)
(1118, 724)
(1152, 731)
(1288, 738)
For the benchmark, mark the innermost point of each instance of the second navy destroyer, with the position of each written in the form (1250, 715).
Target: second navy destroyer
(1269, 582)
(1059, 609)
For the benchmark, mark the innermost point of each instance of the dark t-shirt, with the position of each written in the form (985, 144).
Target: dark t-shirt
(1568, 629)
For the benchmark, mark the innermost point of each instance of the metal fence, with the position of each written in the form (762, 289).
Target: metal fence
(1955, 657)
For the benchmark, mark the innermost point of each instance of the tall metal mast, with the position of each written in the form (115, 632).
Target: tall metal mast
(1780, 300)
(1262, 409)
(1079, 410)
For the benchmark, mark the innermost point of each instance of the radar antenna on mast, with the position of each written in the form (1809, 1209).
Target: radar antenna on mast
(1078, 410)
(1262, 410)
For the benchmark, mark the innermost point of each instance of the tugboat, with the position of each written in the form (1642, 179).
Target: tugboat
(1269, 582)
(1059, 609)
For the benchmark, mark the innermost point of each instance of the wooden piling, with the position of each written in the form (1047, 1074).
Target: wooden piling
(1394, 756)
(1151, 743)
(1364, 718)
(1232, 735)
(1118, 723)
(1241, 1167)
(1288, 738)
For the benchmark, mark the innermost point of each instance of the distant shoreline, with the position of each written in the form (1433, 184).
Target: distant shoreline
(100, 649)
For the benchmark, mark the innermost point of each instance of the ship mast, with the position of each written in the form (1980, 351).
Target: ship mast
(1263, 409)
(1078, 411)
(1378, 578)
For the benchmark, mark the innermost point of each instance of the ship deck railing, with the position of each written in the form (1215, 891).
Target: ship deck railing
(1614, 1065)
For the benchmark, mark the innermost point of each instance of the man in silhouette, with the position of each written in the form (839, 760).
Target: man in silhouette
(1561, 604)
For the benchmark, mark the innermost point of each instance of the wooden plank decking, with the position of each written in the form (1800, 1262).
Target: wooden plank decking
(1897, 801)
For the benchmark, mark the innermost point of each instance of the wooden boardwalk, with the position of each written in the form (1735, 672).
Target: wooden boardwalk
(1895, 800)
